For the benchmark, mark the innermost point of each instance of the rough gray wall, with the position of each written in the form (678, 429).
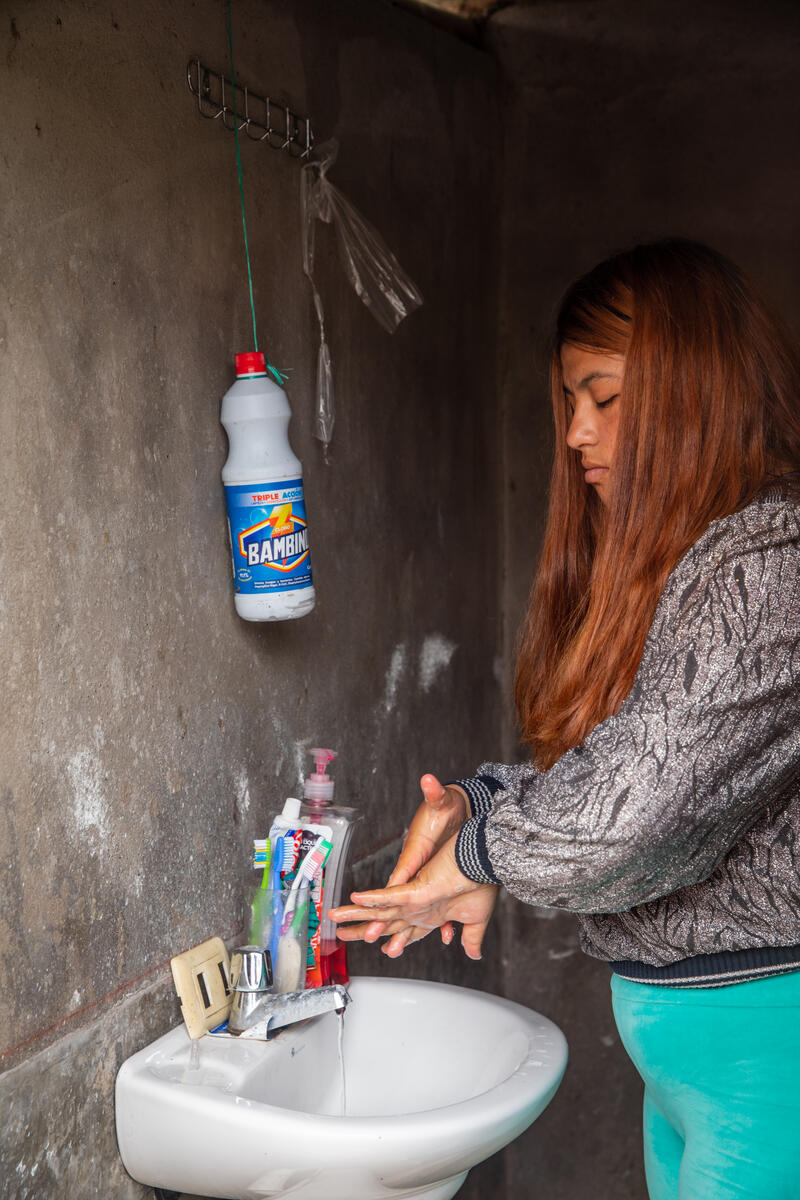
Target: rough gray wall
(624, 121)
(149, 734)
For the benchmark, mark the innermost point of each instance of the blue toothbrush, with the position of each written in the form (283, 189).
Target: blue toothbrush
(282, 851)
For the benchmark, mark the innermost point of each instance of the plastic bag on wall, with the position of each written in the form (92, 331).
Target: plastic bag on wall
(376, 275)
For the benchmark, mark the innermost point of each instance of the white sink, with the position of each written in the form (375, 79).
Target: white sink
(437, 1078)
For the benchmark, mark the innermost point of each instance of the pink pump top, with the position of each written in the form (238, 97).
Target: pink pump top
(319, 786)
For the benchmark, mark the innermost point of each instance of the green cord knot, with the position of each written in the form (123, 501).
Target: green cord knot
(280, 376)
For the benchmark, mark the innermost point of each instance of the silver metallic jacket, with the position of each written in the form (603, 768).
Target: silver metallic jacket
(674, 830)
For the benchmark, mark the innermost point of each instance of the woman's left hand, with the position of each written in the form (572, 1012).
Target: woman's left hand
(437, 894)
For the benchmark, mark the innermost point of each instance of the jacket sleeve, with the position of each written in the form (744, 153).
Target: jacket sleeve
(706, 740)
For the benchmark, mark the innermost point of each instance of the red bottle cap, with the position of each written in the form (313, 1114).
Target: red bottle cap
(251, 363)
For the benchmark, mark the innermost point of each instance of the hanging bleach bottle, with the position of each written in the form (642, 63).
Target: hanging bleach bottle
(264, 495)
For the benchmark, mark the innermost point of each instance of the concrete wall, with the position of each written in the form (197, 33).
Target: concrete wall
(149, 734)
(624, 121)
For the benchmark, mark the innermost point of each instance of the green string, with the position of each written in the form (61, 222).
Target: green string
(281, 378)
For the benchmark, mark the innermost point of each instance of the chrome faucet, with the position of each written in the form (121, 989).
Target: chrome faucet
(271, 1013)
(251, 979)
(256, 1012)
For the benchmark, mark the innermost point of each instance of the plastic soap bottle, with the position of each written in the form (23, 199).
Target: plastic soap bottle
(264, 494)
(318, 807)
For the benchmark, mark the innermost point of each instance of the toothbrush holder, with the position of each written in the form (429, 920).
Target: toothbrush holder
(280, 923)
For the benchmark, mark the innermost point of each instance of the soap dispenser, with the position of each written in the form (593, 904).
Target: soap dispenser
(318, 808)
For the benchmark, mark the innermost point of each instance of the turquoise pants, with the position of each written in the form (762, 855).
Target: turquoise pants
(721, 1071)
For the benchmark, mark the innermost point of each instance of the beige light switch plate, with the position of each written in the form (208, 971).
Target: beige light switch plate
(202, 980)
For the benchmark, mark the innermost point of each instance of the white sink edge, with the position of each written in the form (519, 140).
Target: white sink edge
(447, 1139)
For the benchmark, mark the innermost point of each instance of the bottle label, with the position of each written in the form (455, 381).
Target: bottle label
(269, 536)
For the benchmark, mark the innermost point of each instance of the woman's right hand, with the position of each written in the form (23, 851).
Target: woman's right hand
(442, 813)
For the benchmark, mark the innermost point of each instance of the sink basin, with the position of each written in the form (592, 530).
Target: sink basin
(435, 1079)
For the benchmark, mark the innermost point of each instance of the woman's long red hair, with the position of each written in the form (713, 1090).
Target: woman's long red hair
(709, 414)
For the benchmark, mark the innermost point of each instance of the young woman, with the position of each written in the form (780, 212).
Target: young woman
(658, 686)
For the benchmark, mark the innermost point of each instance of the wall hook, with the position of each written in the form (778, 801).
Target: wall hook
(215, 98)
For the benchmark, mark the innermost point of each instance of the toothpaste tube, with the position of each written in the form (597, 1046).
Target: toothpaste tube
(303, 836)
(308, 870)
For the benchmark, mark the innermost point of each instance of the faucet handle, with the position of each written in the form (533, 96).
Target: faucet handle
(251, 969)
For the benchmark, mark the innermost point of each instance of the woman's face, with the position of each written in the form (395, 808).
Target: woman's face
(592, 385)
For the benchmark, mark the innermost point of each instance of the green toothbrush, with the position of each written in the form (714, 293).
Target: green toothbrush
(262, 919)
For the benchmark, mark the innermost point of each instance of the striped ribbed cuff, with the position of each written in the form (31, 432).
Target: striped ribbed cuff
(472, 857)
(479, 790)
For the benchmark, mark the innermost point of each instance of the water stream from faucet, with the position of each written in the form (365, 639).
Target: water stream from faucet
(343, 1089)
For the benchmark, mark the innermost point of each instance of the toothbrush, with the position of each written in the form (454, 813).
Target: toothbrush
(281, 861)
(261, 919)
(267, 861)
(314, 861)
(289, 971)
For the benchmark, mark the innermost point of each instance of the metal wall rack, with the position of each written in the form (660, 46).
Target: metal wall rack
(261, 119)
